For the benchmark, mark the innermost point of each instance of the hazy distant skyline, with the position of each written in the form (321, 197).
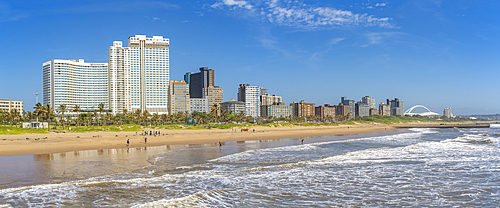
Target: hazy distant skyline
(434, 53)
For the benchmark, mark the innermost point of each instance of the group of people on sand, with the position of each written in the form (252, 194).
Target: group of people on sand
(151, 133)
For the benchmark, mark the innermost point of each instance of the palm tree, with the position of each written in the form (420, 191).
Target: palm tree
(14, 115)
(145, 117)
(156, 118)
(125, 114)
(137, 116)
(38, 111)
(76, 109)
(62, 108)
(100, 108)
(215, 112)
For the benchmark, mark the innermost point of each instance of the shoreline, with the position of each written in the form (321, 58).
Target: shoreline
(13, 145)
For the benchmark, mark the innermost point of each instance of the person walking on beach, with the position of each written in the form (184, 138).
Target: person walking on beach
(128, 142)
(145, 140)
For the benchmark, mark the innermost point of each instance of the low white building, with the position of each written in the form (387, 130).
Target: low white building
(33, 124)
(199, 104)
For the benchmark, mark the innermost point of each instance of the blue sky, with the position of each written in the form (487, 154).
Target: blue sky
(434, 53)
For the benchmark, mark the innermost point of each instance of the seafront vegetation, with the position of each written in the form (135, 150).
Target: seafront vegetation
(73, 119)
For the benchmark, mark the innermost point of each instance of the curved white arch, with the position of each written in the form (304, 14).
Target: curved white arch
(417, 106)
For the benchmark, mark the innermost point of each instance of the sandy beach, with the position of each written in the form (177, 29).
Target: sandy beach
(64, 142)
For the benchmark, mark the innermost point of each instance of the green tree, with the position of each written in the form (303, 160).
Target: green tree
(100, 108)
(62, 109)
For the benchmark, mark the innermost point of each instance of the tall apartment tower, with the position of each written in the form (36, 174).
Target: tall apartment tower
(351, 104)
(119, 77)
(396, 106)
(370, 101)
(197, 81)
(139, 75)
(179, 97)
(250, 95)
(303, 109)
(267, 99)
(214, 95)
(384, 109)
(74, 82)
(447, 113)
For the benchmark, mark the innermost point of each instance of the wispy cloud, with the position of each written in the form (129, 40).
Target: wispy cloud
(301, 15)
(336, 40)
(7, 13)
(233, 3)
(128, 6)
(377, 38)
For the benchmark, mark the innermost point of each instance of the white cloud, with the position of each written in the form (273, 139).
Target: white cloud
(336, 40)
(300, 15)
(233, 3)
(376, 38)
(381, 4)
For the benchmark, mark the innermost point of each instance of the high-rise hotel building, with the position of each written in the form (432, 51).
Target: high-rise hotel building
(250, 95)
(139, 75)
(74, 82)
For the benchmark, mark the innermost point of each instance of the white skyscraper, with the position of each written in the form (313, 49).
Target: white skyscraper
(74, 82)
(251, 96)
(139, 75)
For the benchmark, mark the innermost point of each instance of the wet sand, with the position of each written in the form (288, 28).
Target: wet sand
(11, 145)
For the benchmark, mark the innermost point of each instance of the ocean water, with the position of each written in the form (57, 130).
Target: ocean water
(416, 167)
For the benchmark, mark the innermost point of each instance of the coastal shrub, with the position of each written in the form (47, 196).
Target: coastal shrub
(15, 130)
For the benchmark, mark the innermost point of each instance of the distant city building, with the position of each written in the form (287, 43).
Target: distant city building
(303, 109)
(139, 75)
(197, 81)
(267, 99)
(397, 107)
(199, 105)
(276, 111)
(233, 107)
(319, 111)
(369, 100)
(362, 109)
(214, 95)
(374, 111)
(341, 110)
(8, 105)
(329, 111)
(74, 82)
(187, 77)
(384, 109)
(179, 97)
(351, 104)
(325, 112)
(447, 113)
(251, 96)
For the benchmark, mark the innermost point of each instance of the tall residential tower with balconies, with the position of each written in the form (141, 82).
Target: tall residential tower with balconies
(139, 75)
